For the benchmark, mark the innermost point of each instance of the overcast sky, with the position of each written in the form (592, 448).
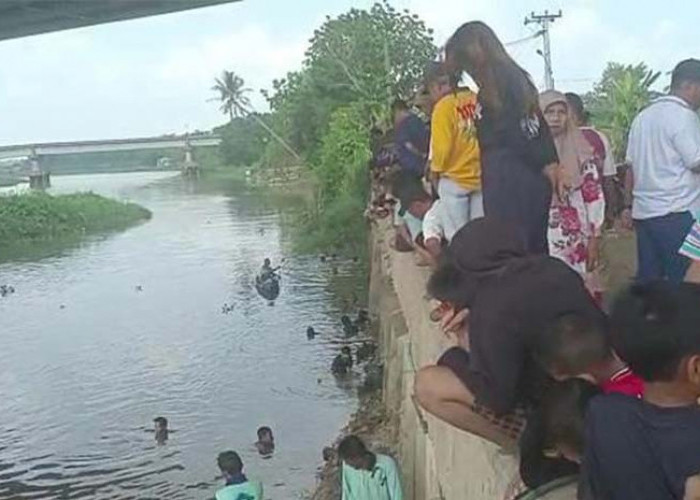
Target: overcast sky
(152, 76)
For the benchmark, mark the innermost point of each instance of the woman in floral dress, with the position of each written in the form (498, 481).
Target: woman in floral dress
(576, 221)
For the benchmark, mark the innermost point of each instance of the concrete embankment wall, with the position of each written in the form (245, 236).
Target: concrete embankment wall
(437, 460)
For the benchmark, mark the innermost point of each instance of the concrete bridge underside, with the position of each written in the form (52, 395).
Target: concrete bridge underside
(20, 18)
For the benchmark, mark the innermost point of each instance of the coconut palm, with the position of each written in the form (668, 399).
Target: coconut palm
(232, 94)
(235, 103)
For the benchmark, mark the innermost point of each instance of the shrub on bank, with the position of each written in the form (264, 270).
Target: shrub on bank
(42, 216)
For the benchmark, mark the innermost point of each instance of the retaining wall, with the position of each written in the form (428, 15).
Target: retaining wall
(437, 460)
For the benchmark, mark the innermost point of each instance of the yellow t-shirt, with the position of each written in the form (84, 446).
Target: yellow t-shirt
(454, 147)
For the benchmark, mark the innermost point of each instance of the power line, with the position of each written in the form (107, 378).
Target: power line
(545, 20)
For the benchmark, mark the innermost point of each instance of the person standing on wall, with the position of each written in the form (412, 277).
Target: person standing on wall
(576, 221)
(455, 164)
(518, 158)
(411, 137)
(663, 185)
(604, 155)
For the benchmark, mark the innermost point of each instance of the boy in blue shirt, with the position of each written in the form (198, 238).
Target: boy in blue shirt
(366, 475)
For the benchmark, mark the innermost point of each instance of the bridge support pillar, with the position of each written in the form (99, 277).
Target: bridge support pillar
(38, 178)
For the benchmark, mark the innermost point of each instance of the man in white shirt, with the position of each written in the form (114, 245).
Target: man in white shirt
(664, 153)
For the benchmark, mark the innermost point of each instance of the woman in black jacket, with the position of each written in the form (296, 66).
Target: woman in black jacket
(518, 156)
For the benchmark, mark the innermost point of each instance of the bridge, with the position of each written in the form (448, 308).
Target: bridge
(59, 148)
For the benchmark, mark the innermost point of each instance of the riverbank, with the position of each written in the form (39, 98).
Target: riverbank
(40, 216)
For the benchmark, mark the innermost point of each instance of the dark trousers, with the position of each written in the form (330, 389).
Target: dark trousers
(518, 193)
(658, 242)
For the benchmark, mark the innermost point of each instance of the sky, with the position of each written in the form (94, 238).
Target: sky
(153, 76)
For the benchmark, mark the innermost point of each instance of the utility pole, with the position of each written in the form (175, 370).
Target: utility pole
(545, 20)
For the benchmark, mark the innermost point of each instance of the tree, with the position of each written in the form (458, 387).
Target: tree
(368, 56)
(235, 103)
(623, 91)
(232, 94)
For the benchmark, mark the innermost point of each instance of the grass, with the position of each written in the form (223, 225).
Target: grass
(39, 216)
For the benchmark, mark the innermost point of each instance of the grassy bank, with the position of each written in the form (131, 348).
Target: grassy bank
(39, 216)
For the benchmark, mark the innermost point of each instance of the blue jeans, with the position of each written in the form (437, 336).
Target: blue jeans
(658, 242)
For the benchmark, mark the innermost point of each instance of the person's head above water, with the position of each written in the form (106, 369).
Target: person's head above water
(161, 423)
(345, 351)
(266, 263)
(230, 464)
(265, 434)
(477, 251)
(353, 452)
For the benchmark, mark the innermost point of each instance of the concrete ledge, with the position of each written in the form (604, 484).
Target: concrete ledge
(437, 460)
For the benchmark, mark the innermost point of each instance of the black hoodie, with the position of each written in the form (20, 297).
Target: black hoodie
(511, 297)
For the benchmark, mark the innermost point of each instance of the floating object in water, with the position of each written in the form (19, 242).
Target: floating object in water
(342, 363)
(268, 286)
(62, 306)
(349, 328)
(365, 351)
(362, 317)
(227, 308)
(334, 270)
(310, 333)
(138, 288)
(323, 258)
(6, 290)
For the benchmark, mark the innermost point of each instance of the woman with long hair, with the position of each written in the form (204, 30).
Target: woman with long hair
(518, 157)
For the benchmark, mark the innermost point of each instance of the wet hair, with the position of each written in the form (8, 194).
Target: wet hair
(262, 431)
(576, 105)
(655, 326)
(161, 421)
(230, 463)
(266, 262)
(687, 71)
(563, 410)
(497, 74)
(399, 105)
(352, 447)
(572, 343)
(346, 350)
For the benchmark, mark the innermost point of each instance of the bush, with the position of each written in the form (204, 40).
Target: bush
(41, 216)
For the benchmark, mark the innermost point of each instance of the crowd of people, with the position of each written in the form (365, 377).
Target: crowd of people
(506, 194)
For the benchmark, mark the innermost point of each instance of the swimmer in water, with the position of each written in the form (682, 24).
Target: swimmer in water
(161, 428)
(266, 442)
(342, 363)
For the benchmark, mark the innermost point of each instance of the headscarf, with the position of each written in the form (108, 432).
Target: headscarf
(572, 147)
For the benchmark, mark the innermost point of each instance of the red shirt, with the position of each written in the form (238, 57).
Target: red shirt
(624, 382)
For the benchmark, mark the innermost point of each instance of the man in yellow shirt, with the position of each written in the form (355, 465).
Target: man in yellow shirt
(455, 162)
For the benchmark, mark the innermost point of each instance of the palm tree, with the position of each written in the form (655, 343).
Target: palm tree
(232, 94)
(235, 103)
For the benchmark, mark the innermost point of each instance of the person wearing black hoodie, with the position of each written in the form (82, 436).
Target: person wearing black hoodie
(506, 298)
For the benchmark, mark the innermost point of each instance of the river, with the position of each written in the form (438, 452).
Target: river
(101, 337)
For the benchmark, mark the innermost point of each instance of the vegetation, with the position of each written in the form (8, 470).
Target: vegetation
(623, 91)
(356, 64)
(37, 216)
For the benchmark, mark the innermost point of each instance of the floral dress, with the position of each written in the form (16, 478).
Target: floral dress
(579, 218)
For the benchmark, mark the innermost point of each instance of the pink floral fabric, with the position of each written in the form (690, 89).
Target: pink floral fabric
(578, 219)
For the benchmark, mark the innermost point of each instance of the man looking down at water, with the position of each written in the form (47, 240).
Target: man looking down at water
(366, 475)
(237, 485)
(411, 138)
(455, 164)
(499, 300)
